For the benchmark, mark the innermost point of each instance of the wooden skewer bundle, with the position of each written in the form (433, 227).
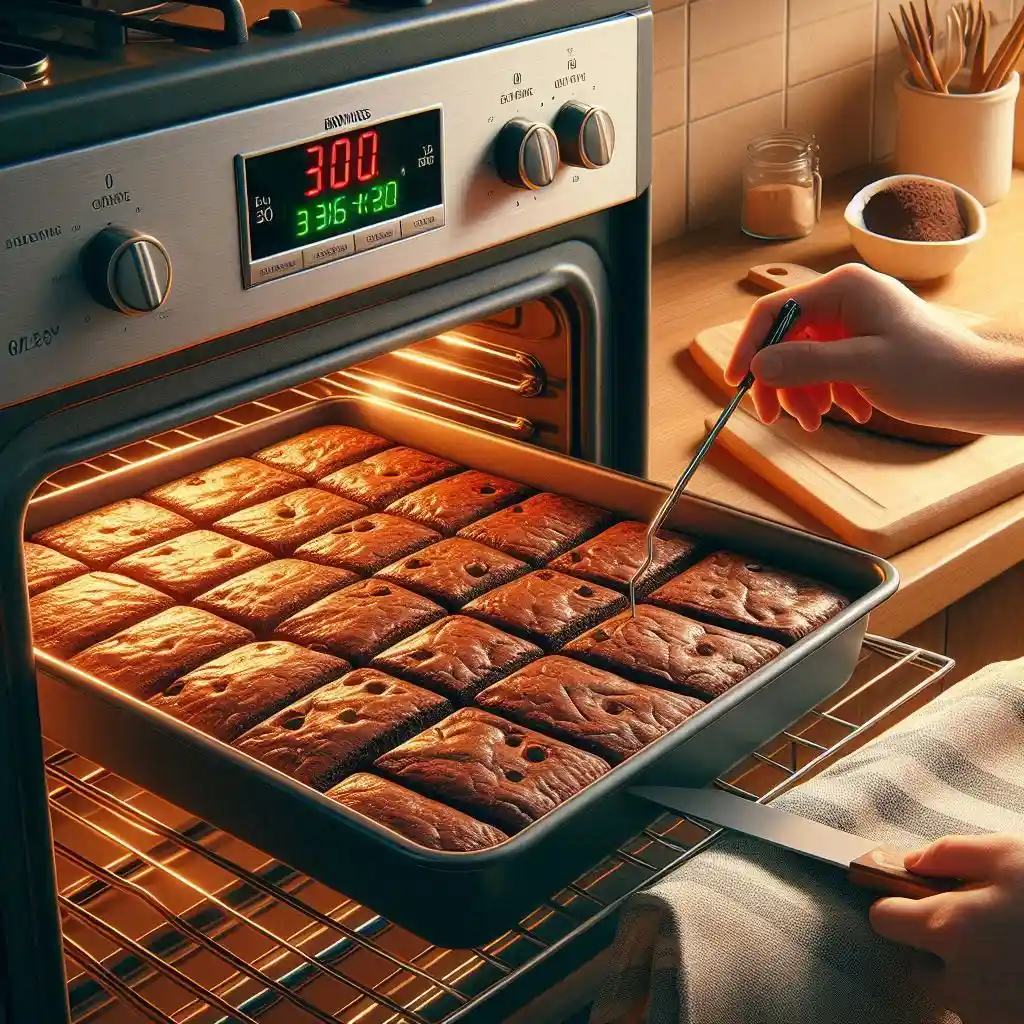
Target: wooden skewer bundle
(968, 28)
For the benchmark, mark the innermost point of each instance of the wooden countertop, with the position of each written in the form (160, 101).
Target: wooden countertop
(699, 282)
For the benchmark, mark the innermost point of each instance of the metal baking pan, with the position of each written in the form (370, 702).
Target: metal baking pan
(456, 899)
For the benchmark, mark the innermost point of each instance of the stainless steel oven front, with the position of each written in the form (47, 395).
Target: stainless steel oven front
(468, 236)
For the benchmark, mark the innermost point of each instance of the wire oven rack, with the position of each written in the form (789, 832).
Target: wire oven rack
(168, 919)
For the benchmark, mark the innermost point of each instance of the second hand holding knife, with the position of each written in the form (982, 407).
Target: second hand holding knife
(780, 328)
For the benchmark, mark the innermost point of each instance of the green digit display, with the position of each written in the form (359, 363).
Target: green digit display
(303, 223)
(376, 199)
(390, 195)
(340, 213)
(332, 214)
(323, 216)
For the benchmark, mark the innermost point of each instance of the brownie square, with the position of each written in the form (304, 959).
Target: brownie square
(588, 707)
(613, 557)
(343, 725)
(368, 544)
(380, 479)
(539, 528)
(666, 649)
(186, 566)
(360, 621)
(455, 571)
(418, 818)
(265, 596)
(457, 657)
(101, 537)
(457, 501)
(546, 607)
(282, 524)
(88, 609)
(227, 697)
(322, 450)
(742, 593)
(46, 569)
(150, 655)
(210, 494)
(495, 770)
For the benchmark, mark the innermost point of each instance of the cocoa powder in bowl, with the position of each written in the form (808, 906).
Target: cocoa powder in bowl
(916, 211)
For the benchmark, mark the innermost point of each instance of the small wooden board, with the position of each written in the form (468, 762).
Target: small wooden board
(879, 493)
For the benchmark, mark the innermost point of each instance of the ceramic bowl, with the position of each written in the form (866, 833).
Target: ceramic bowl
(913, 261)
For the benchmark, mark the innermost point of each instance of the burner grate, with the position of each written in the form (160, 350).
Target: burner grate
(183, 923)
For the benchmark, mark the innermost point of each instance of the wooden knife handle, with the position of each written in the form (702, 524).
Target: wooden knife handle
(773, 277)
(882, 869)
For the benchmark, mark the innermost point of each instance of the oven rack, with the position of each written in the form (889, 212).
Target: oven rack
(180, 922)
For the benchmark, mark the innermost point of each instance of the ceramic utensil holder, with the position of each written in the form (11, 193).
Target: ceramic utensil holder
(963, 138)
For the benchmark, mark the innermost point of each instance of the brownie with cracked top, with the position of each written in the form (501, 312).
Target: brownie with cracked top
(380, 479)
(546, 607)
(743, 593)
(210, 494)
(368, 544)
(457, 656)
(360, 621)
(187, 565)
(46, 569)
(227, 697)
(455, 502)
(455, 571)
(495, 770)
(588, 707)
(613, 557)
(150, 655)
(666, 649)
(282, 524)
(265, 596)
(539, 528)
(101, 537)
(88, 609)
(322, 450)
(342, 726)
(418, 818)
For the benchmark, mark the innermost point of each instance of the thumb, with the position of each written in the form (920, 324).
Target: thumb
(795, 364)
(971, 858)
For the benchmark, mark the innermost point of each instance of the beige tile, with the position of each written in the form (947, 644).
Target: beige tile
(719, 25)
(737, 76)
(717, 147)
(803, 12)
(888, 67)
(837, 110)
(831, 44)
(886, 36)
(669, 106)
(664, 5)
(670, 38)
(668, 188)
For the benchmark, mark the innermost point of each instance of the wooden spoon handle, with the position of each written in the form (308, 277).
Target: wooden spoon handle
(929, 58)
(916, 71)
(882, 870)
(980, 54)
(1005, 55)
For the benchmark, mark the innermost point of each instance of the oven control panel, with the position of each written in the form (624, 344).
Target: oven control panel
(123, 252)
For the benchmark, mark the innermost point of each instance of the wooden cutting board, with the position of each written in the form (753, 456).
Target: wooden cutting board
(879, 493)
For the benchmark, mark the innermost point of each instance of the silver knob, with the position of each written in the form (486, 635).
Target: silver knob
(586, 135)
(127, 271)
(527, 154)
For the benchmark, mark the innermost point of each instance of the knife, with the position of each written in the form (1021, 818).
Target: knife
(866, 864)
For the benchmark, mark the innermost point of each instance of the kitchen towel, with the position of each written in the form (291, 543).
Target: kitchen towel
(748, 933)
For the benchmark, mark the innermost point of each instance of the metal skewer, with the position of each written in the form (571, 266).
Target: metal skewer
(783, 322)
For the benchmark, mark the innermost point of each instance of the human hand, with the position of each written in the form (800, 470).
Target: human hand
(971, 939)
(886, 349)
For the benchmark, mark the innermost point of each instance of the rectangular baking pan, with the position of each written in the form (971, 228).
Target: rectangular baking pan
(456, 899)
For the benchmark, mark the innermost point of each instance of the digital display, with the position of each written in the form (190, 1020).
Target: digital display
(342, 183)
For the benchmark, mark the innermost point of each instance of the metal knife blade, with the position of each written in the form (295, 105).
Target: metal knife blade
(866, 863)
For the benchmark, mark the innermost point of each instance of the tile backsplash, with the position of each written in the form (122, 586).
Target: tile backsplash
(727, 70)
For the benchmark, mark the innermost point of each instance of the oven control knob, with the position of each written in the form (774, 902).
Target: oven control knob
(586, 135)
(527, 154)
(127, 271)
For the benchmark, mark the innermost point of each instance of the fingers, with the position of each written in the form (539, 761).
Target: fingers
(803, 363)
(848, 398)
(971, 858)
(800, 403)
(908, 922)
(766, 402)
(821, 303)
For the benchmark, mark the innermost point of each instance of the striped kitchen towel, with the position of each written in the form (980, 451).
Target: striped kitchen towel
(748, 934)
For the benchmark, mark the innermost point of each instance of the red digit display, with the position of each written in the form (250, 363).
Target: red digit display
(341, 163)
(315, 171)
(366, 168)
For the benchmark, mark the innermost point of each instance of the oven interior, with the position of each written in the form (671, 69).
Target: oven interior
(168, 919)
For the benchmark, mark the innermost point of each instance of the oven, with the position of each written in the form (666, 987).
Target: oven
(443, 208)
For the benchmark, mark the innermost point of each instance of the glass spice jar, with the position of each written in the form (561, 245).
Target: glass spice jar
(781, 186)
